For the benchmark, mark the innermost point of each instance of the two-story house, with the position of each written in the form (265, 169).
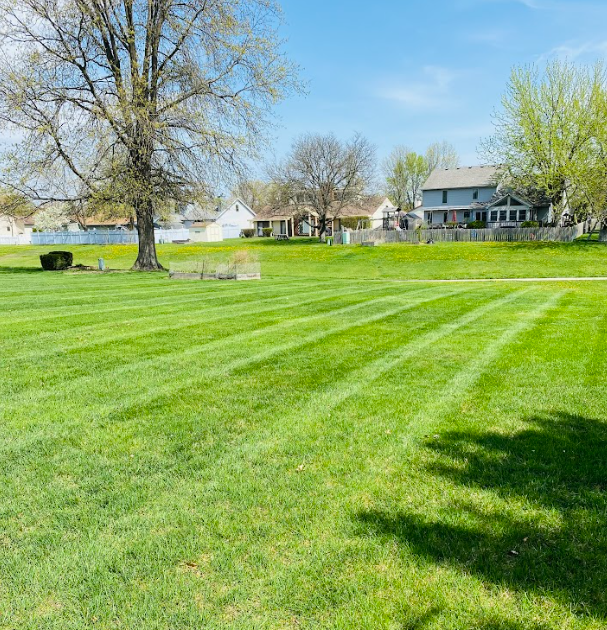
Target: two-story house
(474, 193)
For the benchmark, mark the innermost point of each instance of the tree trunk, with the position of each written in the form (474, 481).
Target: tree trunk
(146, 255)
(322, 228)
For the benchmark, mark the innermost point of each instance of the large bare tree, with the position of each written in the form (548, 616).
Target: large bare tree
(441, 155)
(326, 174)
(150, 94)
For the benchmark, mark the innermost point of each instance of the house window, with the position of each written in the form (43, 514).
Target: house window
(494, 215)
(445, 196)
(466, 214)
(429, 217)
(503, 215)
(512, 215)
(522, 215)
(237, 208)
(445, 217)
(8, 229)
(475, 195)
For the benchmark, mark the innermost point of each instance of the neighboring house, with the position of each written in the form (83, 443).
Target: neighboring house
(235, 217)
(384, 210)
(289, 221)
(462, 195)
(206, 232)
(12, 227)
(375, 212)
(104, 225)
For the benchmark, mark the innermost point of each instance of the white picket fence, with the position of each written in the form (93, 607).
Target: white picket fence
(515, 235)
(111, 237)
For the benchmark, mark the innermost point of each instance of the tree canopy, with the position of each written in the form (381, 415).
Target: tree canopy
(325, 174)
(145, 97)
(406, 171)
(551, 134)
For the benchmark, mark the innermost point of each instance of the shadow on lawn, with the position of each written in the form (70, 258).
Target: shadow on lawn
(558, 467)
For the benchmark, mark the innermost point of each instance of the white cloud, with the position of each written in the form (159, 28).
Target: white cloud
(551, 5)
(432, 92)
(573, 50)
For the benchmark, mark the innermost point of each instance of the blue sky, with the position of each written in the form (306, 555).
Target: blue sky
(413, 72)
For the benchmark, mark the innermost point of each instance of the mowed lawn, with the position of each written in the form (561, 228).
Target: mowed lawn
(302, 453)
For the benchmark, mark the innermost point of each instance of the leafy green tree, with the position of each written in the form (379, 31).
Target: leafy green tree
(549, 133)
(155, 94)
(405, 172)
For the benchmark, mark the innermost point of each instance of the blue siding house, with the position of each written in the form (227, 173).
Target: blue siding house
(458, 196)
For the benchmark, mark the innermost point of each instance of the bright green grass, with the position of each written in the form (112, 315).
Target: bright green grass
(294, 453)
(306, 258)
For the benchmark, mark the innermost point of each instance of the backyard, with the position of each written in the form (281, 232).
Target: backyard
(325, 448)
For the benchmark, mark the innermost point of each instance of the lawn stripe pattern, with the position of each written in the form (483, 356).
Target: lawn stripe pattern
(263, 455)
(222, 348)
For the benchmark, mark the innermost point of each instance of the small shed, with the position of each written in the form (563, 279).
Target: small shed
(206, 232)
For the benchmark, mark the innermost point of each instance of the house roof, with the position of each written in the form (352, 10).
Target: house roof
(522, 198)
(464, 177)
(271, 213)
(198, 212)
(232, 202)
(100, 222)
(365, 207)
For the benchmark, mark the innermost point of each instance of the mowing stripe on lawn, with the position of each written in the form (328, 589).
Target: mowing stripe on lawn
(61, 313)
(229, 368)
(218, 350)
(200, 315)
(461, 383)
(318, 404)
(115, 292)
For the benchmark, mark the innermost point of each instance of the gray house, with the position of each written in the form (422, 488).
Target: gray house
(474, 193)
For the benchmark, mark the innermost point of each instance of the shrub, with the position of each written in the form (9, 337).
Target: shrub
(530, 224)
(56, 261)
(266, 231)
(476, 225)
(352, 223)
(247, 233)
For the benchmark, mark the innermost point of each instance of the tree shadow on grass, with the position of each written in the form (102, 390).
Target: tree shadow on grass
(548, 531)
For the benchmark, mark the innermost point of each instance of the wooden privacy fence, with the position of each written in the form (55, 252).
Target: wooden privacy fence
(499, 235)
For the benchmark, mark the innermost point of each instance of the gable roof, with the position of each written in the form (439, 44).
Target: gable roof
(232, 203)
(364, 207)
(499, 198)
(463, 177)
